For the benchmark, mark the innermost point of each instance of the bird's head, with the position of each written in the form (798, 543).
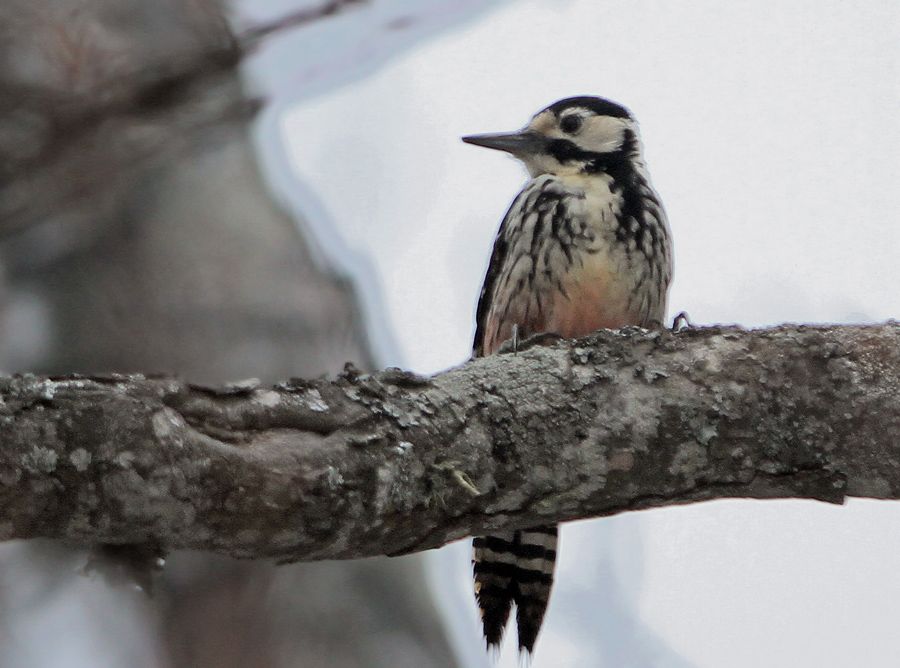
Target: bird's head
(578, 135)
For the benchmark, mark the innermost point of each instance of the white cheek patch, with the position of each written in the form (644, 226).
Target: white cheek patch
(601, 134)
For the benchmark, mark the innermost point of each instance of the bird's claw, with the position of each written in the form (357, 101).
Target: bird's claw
(516, 345)
(682, 321)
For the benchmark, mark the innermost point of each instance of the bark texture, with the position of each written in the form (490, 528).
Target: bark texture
(391, 463)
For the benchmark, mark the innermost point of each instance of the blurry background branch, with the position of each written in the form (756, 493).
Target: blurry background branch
(137, 233)
(391, 463)
(251, 37)
(47, 130)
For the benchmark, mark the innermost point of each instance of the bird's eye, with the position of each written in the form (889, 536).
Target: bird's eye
(571, 124)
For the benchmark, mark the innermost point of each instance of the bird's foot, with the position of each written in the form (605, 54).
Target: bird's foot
(516, 345)
(511, 345)
(682, 321)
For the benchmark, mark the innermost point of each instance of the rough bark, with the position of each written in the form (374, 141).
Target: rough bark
(391, 463)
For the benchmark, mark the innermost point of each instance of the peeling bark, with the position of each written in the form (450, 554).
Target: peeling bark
(391, 462)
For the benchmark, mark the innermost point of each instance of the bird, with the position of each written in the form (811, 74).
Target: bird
(585, 245)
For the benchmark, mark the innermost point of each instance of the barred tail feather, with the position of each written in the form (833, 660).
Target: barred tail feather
(514, 567)
(535, 583)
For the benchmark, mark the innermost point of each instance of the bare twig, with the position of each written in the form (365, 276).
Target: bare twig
(251, 37)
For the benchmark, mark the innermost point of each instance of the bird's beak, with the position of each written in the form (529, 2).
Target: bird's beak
(517, 143)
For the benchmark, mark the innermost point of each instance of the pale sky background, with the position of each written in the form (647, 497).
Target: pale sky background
(772, 132)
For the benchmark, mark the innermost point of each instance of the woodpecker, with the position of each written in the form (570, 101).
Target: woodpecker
(585, 245)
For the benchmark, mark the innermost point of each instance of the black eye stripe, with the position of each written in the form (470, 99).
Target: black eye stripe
(566, 151)
(571, 123)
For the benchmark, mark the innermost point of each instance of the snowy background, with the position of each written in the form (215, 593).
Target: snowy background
(772, 134)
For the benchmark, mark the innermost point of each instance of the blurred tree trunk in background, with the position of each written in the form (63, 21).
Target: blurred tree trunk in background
(136, 235)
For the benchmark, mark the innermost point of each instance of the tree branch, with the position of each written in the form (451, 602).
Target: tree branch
(392, 463)
(251, 37)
